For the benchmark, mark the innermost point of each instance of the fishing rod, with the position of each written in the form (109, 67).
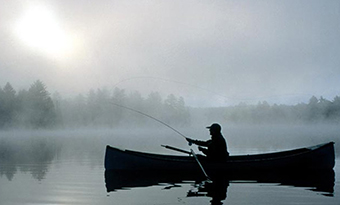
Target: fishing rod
(168, 147)
(149, 116)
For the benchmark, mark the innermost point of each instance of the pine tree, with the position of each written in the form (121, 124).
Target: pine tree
(8, 105)
(40, 106)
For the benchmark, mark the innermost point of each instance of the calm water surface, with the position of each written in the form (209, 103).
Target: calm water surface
(66, 167)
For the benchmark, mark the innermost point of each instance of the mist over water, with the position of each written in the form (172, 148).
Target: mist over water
(90, 143)
(67, 166)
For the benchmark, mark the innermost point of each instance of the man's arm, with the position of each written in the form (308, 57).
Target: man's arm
(199, 142)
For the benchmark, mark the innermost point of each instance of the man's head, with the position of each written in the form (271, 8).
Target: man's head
(214, 129)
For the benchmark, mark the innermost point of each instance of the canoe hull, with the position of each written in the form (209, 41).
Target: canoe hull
(319, 157)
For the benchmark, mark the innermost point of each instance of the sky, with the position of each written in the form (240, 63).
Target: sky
(212, 53)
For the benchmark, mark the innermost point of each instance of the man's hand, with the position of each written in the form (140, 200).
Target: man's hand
(190, 141)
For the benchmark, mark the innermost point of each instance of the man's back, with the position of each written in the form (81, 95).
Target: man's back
(217, 149)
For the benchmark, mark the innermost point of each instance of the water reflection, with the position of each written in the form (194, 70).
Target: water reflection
(216, 190)
(321, 182)
(27, 155)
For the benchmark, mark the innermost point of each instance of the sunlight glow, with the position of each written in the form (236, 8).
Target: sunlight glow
(39, 29)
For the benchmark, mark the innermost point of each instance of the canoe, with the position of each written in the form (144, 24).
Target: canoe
(314, 158)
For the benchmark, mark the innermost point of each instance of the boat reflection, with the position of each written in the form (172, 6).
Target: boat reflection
(321, 182)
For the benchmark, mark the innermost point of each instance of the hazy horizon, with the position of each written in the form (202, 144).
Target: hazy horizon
(190, 102)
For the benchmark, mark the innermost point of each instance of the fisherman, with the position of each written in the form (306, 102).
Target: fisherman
(216, 150)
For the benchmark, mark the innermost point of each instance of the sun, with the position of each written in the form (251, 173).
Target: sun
(40, 29)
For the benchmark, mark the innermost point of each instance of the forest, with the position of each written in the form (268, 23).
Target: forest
(36, 108)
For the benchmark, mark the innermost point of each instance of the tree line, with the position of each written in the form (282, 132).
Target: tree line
(36, 108)
(317, 110)
(31, 108)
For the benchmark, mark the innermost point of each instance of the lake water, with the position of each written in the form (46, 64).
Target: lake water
(66, 167)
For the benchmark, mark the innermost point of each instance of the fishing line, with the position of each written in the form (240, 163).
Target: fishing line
(149, 116)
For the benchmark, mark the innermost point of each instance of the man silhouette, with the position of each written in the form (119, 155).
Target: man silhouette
(216, 147)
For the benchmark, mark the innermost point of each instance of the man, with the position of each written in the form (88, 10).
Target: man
(216, 150)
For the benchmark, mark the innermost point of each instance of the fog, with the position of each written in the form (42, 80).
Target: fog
(267, 71)
(39, 130)
(282, 52)
(36, 108)
(20, 150)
